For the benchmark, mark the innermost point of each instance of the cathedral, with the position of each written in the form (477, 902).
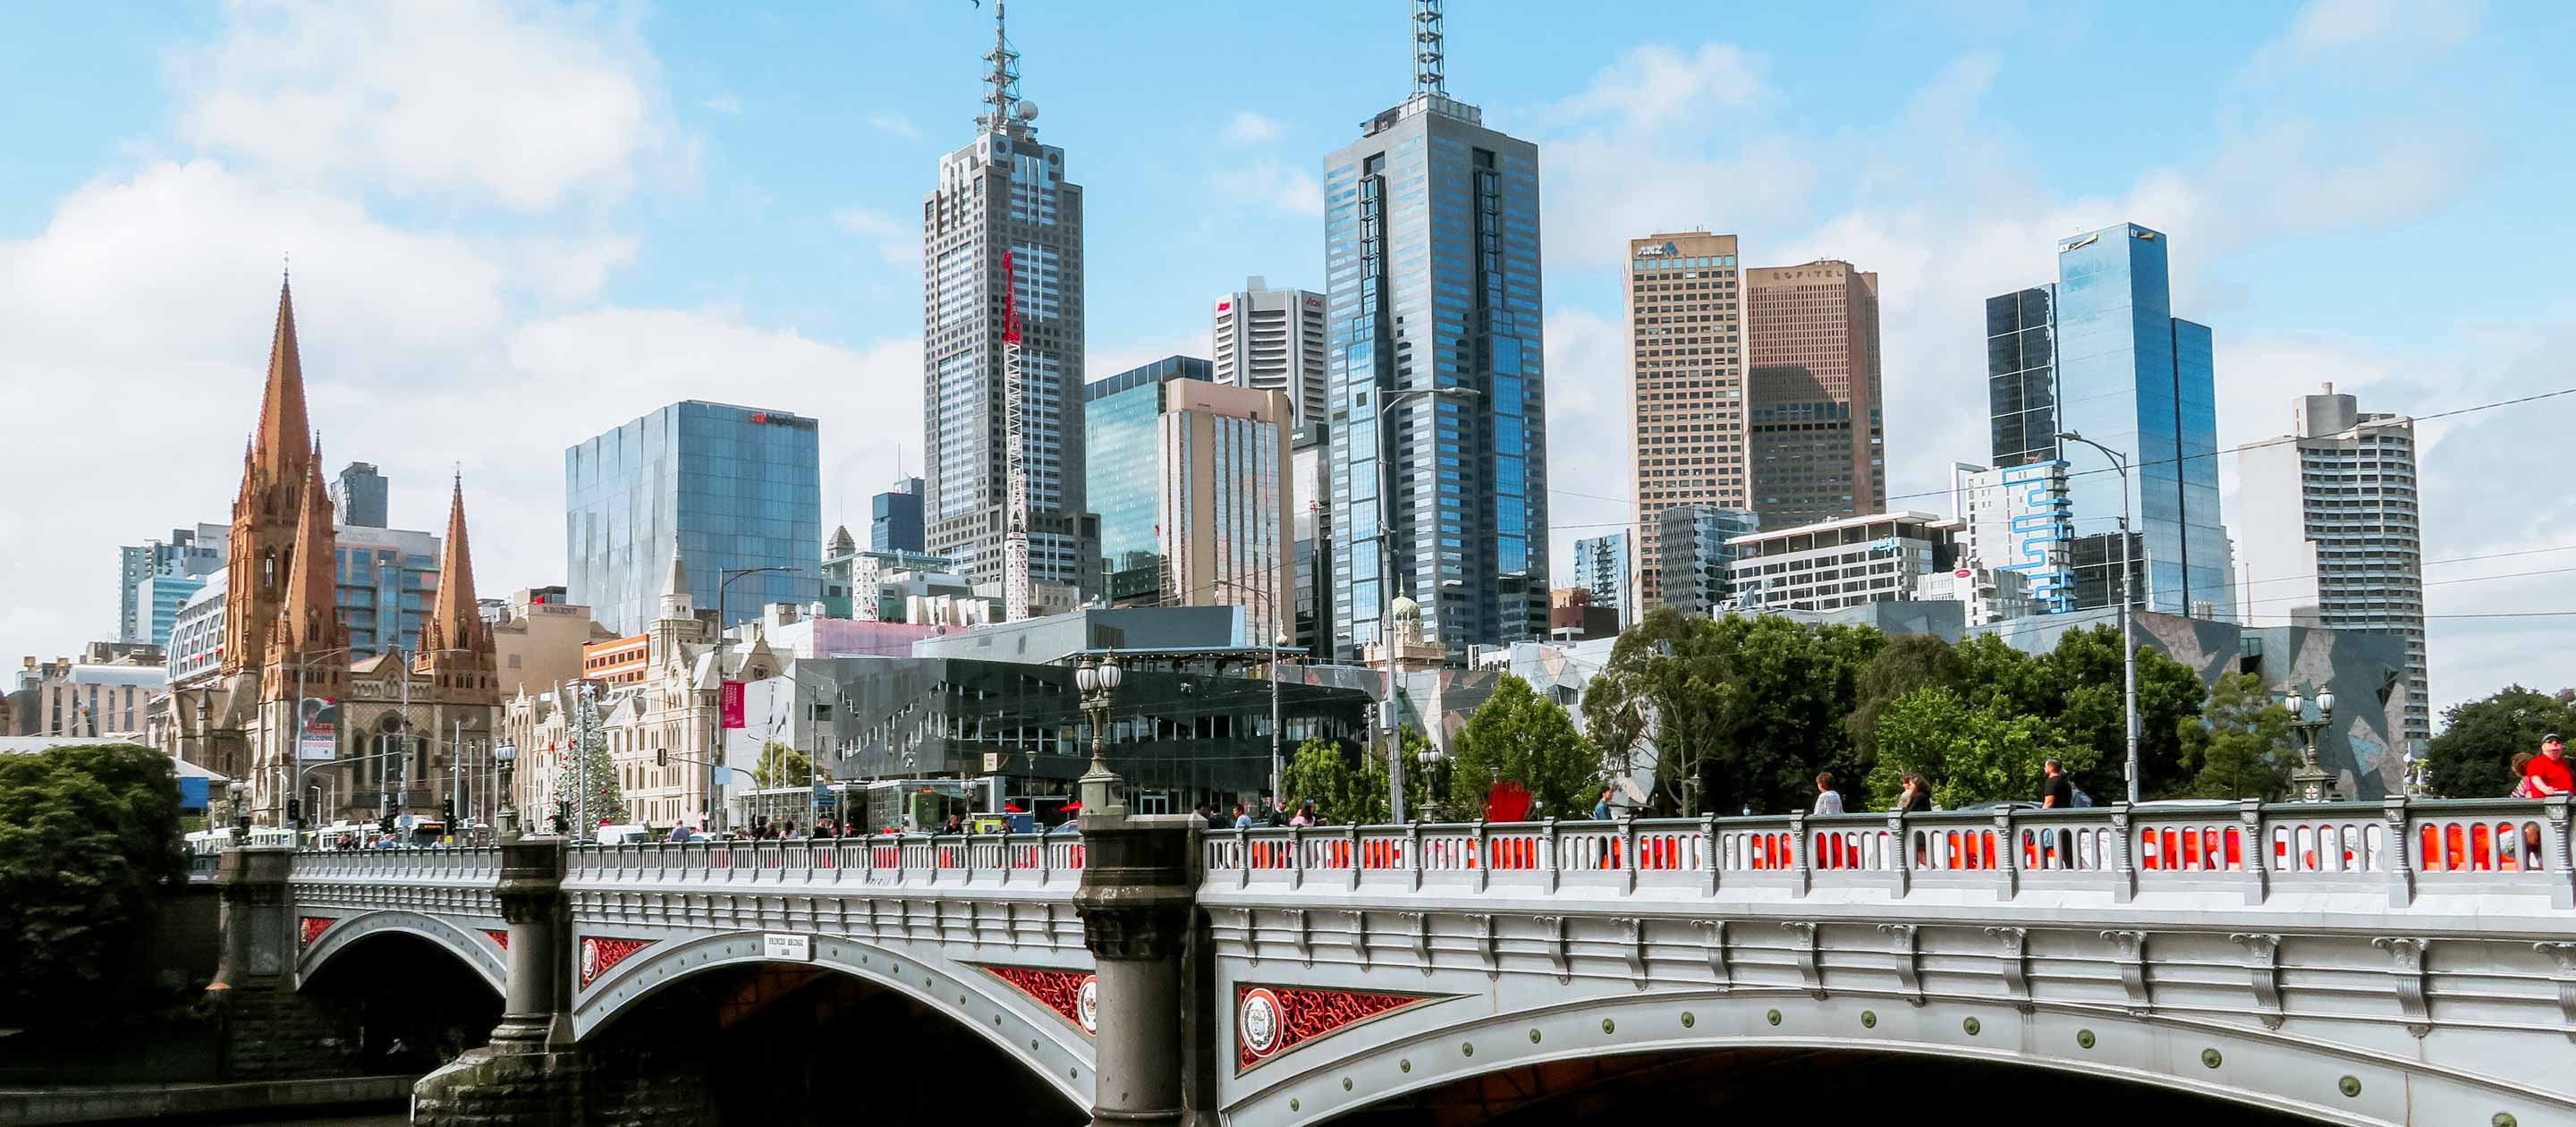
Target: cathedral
(293, 713)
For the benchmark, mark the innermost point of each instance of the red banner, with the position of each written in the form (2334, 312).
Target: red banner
(730, 697)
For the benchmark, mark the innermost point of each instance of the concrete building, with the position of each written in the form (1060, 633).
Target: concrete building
(1604, 566)
(1988, 595)
(894, 518)
(1699, 553)
(615, 661)
(1122, 475)
(2099, 353)
(91, 699)
(146, 614)
(874, 586)
(2332, 533)
(1226, 520)
(1834, 564)
(1431, 237)
(1572, 616)
(1273, 340)
(723, 487)
(1004, 196)
(1686, 384)
(541, 639)
(2018, 519)
(358, 495)
(1818, 441)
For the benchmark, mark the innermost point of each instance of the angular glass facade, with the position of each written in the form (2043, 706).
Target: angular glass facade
(1431, 243)
(1692, 544)
(2021, 375)
(894, 518)
(727, 487)
(1122, 442)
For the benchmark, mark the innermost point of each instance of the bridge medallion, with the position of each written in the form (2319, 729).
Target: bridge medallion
(1270, 1020)
(313, 926)
(1074, 994)
(599, 953)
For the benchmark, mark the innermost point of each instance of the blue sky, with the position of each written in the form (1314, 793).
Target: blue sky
(516, 224)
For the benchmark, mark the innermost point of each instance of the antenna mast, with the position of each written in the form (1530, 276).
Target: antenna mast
(1428, 78)
(1002, 73)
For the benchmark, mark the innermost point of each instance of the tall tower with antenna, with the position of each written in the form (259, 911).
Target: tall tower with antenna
(1002, 356)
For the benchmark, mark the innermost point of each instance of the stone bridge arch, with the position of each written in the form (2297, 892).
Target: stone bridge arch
(324, 937)
(1050, 1044)
(1441, 1040)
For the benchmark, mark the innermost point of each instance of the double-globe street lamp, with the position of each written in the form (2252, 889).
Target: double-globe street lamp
(2312, 782)
(2128, 639)
(1097, 790)
(1386, 593)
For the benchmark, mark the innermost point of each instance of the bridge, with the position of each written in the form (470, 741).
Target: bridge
(2394, 963)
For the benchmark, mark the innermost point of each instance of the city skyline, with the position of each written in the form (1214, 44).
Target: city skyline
(590, 305)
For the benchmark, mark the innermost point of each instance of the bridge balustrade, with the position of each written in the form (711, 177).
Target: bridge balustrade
(909, 859)
(469, 865)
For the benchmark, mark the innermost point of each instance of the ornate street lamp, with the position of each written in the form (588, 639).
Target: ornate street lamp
(1433, 760)
(239, 796)
(507, 756)
(1098, 788)
(2311, 781)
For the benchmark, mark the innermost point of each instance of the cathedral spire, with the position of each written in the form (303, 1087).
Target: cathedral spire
(279, 446)
(308, 618)
(457, 617)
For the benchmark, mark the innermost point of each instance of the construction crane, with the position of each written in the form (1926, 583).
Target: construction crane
(1015, 535)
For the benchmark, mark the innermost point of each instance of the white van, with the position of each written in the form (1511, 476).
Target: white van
(624, 835)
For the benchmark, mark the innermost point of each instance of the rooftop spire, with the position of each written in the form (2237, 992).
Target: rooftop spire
(280, 444)
(308, 617)
(1002, 74)
(1428, 77)
(458, 616)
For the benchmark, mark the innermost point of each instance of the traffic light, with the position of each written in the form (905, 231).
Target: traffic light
(385, 824)
(447, 810)
(295, 812)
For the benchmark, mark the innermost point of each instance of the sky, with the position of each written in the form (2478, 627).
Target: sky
(516, 224)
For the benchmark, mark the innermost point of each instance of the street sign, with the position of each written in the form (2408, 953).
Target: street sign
(787, 948)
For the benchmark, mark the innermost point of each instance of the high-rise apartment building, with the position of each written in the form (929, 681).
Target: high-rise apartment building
(154, 578)
(2333, 536)
(1225, 519)
(1002, 277)
(2015, 519)
(1605, 566)
(358, 495)
(894, 518)
(1273, 340)
(2100, 354)
(1818, 438)
(722, 488)
(1431, 244)
(1698, 548)
(1686, 386)
(1122, 435)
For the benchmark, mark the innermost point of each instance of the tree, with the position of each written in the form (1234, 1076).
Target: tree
(2090, 710)
(780, 765)
(1905, 664)
(2240, 745)
(1519, 736)
(1971, 754)
(89, 835)
(1347, 781)
(585, 779)
(2473, 757)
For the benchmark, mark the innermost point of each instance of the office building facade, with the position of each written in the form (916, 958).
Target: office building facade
(2018, 519)
(894, 518)
(153, 578)
(1818, 443)
(1432, 251)
(1605, 566)
(1273, 340)
(1686, 386)
(1005, 194)
(1699, 543)
(2100, 354)
(1122, 435)
(1835, 564)
(720, 487)
(1311, 535)
(359, 494)
(1225, 525)
(2333, 532)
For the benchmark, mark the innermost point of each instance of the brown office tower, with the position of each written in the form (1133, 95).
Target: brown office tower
(1686, 381)
(1818, 448)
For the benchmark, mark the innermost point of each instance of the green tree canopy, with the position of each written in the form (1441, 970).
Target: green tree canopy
(2473, 757)
(781, 766)
(2090, 710)
(89, 835)
(1905, 664)
(1347, 781)
(2240, 746)
(1971, 754)
(1519, 736)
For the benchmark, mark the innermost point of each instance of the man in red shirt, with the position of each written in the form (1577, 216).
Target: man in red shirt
(2548, 770)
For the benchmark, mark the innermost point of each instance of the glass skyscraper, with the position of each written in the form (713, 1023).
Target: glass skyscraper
(726, 487)
(894, 518)
(1122, 438)
(1431, 243)
(2101, 354)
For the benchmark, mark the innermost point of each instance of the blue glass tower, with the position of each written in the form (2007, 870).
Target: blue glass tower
(1122, 478)
(1431, 243)
(2101, 354)
(726, 487)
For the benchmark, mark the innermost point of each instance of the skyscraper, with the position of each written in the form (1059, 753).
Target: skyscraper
(721, 487)
(894, 518)
(155, 577)
(358, 494)
(1818, 448)
(1431, 244)
(1273, 340)
(1604, 565)
(1002, 254)
(1697, 551)
(1311, 535)
(1224, 526)
(1686, 386)
(1121, 420)
(2101, 354)
(2332, 534)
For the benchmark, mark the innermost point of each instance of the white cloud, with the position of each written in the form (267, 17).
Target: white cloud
(1656, 84)
(2325, 29)
(895, 124)
(861, 221)
(1273, 184)
(898, 244)
(726, 104)
(523, 107)
(1249, 128)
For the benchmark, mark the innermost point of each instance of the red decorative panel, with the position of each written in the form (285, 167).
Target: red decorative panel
(1073, 993)
(313, 928)
(500, 938)
(598, 954)
(1270, 1020)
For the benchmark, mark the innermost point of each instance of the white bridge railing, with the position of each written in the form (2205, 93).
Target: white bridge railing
(919, 860)
(2404, 847)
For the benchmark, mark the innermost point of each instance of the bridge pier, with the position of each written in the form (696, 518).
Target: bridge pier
(267, 1029)
(531, 1072)
(1137, 901)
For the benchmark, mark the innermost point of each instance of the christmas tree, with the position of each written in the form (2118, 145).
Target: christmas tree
(582, 764)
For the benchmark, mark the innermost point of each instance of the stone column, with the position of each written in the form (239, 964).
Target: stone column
(268, 1030)
(535, 1015)
(1136, 901)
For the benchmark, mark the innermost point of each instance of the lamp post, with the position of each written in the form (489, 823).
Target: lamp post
(1434, 761)
(714, 814)
(506, 823)
(1098, 788)
(239, 793)
(2128, 641)
(2312, 782)
(1277, 639)
(1387, 404)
